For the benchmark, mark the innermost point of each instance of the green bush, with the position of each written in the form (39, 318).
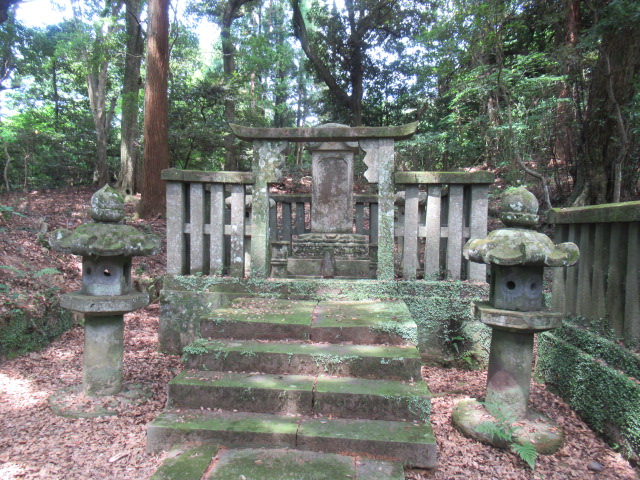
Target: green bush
(605, 397)
(22, 332)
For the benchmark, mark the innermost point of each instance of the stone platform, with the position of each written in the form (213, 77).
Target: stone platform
(333, 377)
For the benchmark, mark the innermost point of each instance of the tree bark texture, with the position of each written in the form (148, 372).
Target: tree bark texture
(130, 177)
(156, 109)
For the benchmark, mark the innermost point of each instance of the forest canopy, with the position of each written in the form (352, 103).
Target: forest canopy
(541, 92)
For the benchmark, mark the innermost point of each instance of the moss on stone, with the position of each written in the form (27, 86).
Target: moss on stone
(188, 465)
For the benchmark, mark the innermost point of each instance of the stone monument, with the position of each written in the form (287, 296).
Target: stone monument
(517, 257)
(106, 246)
(331, 249)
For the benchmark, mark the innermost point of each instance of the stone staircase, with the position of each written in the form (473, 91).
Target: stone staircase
(336, 377)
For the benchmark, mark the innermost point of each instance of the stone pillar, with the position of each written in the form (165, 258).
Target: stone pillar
(268, 158)
(103, 351)
(509, 376)
(380, 160)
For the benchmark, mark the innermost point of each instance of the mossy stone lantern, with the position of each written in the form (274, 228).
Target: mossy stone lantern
(517, 257)
(107, 246)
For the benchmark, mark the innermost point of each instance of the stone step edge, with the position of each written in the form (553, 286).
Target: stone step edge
(191, 463)
(392, 362)
(400, 401)
(377, 334)
(373, 438)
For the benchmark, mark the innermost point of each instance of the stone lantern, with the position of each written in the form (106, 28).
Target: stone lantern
(106, 246)
(515, 312)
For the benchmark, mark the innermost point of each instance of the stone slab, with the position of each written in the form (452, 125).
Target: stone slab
(290, 394)
(518, 322)
(412, 444)
(363, 322)
(261, 319)
(346, 397)
(287, 464)
(104, 304)
(329, 133)
(223, 428)
(363, 361)
(186, 464)
(312, 267)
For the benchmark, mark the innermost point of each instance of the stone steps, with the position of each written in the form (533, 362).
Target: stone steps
(291, 358)
(334, 377)
(367, 323)
(410, 443)
(343, 397)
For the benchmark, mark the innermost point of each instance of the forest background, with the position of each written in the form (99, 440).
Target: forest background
(543, 92)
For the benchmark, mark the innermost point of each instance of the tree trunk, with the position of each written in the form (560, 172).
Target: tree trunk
(229, 66)
(97, 88)
(564, 143)
(130, 163)
(604, 132)
(156, 109)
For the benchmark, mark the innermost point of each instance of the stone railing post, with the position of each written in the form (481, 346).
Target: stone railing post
(268, 158)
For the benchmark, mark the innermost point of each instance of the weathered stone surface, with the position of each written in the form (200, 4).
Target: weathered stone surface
(513, 321)
(332, 190)
(509, 376)
(372, 399)
(223, 428)
(180, 315)
(268, 159)
(327, 133)
(107, 205)
(543, 433)
(519, 208)
(281, 394)
(412, 444)
(102, 357)
(286, 464)
(104, 305)
(186, 464)
(68, 402)
(364, 322)
(515, 246)
(363, 361)
(312, 268)
(344, 246)
(104, 240)
(446, 178)
(516, 287)
(606, 213)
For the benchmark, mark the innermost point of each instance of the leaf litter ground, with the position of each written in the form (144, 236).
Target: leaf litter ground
(36, 444)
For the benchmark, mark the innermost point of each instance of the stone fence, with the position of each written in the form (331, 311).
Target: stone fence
(606, 282)
(209, 222)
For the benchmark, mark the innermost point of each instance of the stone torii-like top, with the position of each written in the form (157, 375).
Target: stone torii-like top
(378, 145)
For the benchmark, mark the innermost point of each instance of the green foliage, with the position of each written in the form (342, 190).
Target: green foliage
(22, 331)
(575, 363)
(504, 430)
(199, 346)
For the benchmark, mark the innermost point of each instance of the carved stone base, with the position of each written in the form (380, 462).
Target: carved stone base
(312, 267)
(344, 245)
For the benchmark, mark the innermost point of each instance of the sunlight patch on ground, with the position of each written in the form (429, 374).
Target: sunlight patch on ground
(17, 391)
(9, 471)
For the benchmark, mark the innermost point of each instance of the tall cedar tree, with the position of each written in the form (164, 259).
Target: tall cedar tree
(156, 109)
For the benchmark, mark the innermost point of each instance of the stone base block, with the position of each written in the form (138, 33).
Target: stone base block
(519, 322)
(542, 432)
(312, 267)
